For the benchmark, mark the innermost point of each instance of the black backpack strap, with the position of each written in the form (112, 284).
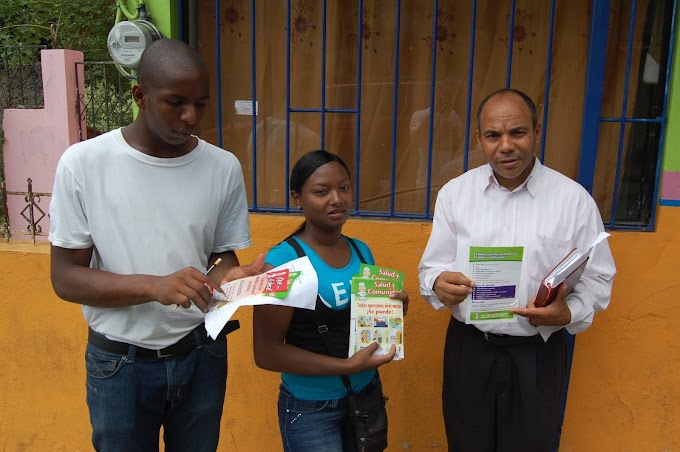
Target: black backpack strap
(300, 252)
(320, 322)
(296, 246)
(356, 248)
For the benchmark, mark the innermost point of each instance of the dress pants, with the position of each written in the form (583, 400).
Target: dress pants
(501, 398)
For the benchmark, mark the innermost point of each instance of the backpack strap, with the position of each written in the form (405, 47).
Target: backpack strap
(300, 252)
(296, 246)
(356, 248)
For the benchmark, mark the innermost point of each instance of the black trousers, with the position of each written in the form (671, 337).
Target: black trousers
(501, 398)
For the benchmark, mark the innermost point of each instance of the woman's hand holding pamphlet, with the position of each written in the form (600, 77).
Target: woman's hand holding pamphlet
(374, 316)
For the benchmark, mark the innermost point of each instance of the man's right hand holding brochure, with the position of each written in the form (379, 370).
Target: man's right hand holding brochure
(452, 288)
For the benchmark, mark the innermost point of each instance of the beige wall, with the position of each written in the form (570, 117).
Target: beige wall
(624, 387)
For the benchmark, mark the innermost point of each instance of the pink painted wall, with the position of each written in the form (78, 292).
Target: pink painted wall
(670, 185)
(35, 139)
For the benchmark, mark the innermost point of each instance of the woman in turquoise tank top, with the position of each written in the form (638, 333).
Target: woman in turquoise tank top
(312, 406)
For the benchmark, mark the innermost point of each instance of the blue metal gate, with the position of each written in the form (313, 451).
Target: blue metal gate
(601, 14)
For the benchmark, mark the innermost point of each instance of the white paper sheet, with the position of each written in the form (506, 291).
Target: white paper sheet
(302, 295)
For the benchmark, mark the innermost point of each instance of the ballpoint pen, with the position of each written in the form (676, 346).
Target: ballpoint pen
(215, 264)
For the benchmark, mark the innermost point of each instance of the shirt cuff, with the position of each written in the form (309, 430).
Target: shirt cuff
(581, 315)
(434, 301)
(428, 294)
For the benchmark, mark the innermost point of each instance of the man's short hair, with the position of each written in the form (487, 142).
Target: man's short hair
(527, 100)
(166, 56)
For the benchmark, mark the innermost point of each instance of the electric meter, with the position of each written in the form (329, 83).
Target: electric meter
(128, 39)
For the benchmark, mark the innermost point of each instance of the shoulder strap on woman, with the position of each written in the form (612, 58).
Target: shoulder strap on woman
(296, 246)
(300, 252)
(356, 248)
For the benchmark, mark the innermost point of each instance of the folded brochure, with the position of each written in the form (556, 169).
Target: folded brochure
(274, 283)
(374, 316)
(293, 284)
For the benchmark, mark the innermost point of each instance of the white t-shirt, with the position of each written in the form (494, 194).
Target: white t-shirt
(147, 215)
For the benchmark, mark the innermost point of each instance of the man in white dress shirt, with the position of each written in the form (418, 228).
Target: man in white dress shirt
(503, 381)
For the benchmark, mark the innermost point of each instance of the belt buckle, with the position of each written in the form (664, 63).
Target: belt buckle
(159, 354)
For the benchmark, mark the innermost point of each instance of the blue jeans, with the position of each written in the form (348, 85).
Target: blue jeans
(130, 397)
(314, 425)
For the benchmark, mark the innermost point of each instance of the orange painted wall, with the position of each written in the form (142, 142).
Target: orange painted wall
(624, 388)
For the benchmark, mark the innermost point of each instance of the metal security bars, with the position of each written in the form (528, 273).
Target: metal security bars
(605, 163)
(640, 132)
(31, 213)
(21, 85)
(105, 102)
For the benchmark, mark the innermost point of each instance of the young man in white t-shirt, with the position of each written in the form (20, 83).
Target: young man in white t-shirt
(138, 214)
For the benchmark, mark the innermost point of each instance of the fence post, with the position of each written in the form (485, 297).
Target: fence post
(35, 139)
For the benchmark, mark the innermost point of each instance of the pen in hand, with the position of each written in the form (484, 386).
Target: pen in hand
(215, 264)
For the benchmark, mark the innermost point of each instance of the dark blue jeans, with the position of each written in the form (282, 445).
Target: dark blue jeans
(130, 397)
(314, 425)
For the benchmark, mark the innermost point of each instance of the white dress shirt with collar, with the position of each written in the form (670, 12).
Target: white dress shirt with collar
(549, 215)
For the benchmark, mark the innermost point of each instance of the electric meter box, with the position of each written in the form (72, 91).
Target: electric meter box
(128, 39)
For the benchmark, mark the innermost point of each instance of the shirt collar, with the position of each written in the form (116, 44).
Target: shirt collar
(531, 184)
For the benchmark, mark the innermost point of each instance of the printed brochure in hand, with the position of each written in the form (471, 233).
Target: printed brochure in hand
(374, 316)
(294, 284)
(496, 272)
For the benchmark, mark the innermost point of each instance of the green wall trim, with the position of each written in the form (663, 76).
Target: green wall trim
(671, 149)
(164, 16)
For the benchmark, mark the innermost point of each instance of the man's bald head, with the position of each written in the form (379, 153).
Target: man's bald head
(164, 57)
(509, 91)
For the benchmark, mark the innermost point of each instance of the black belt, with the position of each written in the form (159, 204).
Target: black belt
(503, 339)
(185, 345)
